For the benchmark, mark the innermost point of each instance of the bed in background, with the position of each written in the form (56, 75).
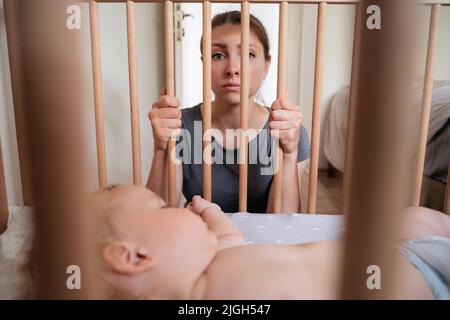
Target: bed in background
(438, 141)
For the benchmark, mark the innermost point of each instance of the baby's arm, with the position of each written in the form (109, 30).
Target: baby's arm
(227, 233)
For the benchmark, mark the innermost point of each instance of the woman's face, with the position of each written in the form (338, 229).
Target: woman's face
(226, 63)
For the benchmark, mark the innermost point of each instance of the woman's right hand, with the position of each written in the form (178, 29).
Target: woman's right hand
(165, 118)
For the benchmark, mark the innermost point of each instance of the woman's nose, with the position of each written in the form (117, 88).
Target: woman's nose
(233, 69)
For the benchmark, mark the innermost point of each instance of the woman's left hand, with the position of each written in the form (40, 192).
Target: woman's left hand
(285, 121)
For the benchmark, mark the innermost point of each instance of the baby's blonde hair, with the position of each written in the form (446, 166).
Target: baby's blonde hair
(106, 211)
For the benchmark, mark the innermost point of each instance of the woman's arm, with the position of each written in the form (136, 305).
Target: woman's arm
(158, 177)
(165, 119)
(285, 123)
(290, 185)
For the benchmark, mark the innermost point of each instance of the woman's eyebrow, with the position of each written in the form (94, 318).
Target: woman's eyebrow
(221, 45)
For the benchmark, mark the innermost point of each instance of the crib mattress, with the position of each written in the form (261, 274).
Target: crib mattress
(283, 229)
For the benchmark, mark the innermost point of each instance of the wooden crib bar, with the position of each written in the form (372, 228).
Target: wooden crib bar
(57, 150)
(207, 174)
(317, 101)
(359, 12)
(426, 102)
(243, 144)
(134, 98)
(98, 94)
(170, 90)
(375, 197)
(11, 8)
(281, 93)
(3, 196)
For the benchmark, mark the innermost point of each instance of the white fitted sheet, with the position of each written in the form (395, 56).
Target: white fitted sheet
(289, 228)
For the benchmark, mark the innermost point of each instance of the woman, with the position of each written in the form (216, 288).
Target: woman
(282, 122)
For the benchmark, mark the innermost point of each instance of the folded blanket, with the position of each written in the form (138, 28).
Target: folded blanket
(431, 256)
(335, 124)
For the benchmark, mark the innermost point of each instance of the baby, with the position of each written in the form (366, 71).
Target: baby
(150, 251)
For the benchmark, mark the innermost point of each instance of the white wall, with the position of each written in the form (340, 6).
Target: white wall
(443, 49)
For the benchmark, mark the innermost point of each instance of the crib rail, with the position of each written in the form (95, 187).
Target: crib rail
(98, 94)
(15, 65)
(206, 56)
(363, 225)
(281, 78)
(426, 102)
(425, 2)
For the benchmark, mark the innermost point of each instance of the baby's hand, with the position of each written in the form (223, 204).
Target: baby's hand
(198, 205)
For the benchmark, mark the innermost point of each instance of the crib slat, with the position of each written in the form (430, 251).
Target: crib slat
(98, 94)
(134, 99)
(352, 104)
(207, 183)
(447, 193)
(426, 102)
(64, 229)
(12, 23)
(281, 91)
(243, 145)
(378, 184)
(170, 90)
(3, 196)
(317, 100)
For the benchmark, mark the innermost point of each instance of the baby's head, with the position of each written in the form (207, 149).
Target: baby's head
(147, 250)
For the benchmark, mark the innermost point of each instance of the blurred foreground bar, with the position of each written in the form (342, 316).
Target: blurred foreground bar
(50, 59)
(384, 134)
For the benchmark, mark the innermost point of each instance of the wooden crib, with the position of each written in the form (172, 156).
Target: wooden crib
(27, 20)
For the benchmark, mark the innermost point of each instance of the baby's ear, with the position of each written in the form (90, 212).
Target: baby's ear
(123, 259)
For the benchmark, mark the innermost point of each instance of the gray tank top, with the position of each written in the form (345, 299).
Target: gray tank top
(225, 165)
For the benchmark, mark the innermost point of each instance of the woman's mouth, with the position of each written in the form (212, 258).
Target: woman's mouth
(231, 87)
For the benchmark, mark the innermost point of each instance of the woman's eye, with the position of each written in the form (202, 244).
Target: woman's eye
(217, 56)
(251, 55)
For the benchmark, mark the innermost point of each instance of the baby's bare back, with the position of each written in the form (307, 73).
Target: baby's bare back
(307, 271)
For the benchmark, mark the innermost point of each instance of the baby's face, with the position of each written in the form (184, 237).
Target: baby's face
(174, 232)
